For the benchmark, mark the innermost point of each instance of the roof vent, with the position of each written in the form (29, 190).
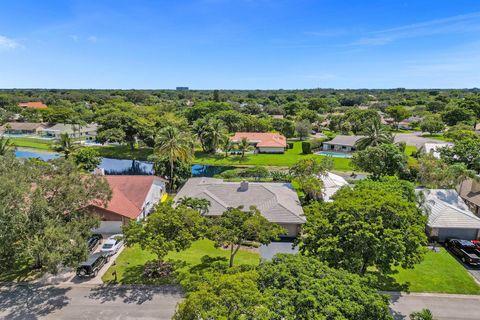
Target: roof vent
(243, 186)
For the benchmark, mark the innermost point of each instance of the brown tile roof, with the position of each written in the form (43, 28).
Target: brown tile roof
(263, 139)
(128, 194)
(33, 105)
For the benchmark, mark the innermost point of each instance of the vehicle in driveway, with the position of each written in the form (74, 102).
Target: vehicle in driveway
(465, 250)
(112, 244)
(94, 241)
(92, 265)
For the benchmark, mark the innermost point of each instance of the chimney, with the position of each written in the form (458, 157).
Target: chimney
(243, 186)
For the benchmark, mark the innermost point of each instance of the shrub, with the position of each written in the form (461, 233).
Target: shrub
(290, 145)
(157, 269)
(256, 172)
(306, 147)
(229, 174)
(316, 144)
(280, 176)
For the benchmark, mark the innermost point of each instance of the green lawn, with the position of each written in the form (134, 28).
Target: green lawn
(436, 137)
(20, 273)
(129, 265)
(32, 143)
(276, 160)
(439, 272)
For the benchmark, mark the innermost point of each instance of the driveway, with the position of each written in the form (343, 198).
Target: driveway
(25, 302)
(443, 306)
(414, 139)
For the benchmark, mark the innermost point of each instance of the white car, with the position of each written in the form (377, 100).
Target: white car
(112, 244)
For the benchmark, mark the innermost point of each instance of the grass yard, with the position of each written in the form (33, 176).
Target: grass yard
(277, 160)
(32, 143)
(440, 272)
(20, 273)
(437, 136)
(129, 265)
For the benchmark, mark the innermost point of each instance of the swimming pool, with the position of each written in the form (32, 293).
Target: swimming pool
(334, 154)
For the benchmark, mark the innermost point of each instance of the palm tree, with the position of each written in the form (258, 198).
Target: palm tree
(215, 133)
(199, 204)
(175, 146)
(226, 145)
(5, 145)
(375, 136)
(243, 146)
(65, 145)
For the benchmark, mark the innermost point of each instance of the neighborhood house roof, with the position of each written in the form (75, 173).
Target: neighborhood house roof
(331, 184)
(262, 139)
(277, 202)
(432, 148)
(128, 194)
(33, 105)
(27, 126)
(470, 190)
(69, 128)
(344, 140)
(445, 209)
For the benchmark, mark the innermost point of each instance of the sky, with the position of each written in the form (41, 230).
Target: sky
(240, 44)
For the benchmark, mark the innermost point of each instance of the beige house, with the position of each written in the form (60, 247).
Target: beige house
(22, 128)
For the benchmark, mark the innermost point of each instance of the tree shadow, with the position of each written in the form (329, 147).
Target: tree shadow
(19, 302)
(137, 294)
(394, 297)
(387, 282)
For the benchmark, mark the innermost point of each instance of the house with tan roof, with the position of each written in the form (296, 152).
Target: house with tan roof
(33, 105)
(341, 143)
(469, 190)
(277, 202)
(264, 142)
(22, 128)
(133, 197)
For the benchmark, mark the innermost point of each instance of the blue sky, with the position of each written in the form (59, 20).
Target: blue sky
(242, 44)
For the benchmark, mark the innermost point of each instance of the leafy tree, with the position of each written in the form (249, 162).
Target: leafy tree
(360, 120)
(436, 173)
(397, 113)
(471, 103)
(45, 212)
(5, 145)
(201, 109)
(116, 124)
(284, 126)
(303, 128)
(111, 135)
(65, 145)
(365, 227)
(465, 151)
(166, 229)
(382, 160)
(174, 145)
(308, 115)
(235, 226)
(211, 132)
(182, 170)
(455, 114)
(311, 166)
(87, 159)
(312, 187)
(432, 124)
(374, 136)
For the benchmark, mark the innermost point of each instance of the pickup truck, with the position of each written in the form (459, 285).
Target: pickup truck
(465, 250)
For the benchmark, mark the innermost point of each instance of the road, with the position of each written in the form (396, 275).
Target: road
(32, 302)
(443, 306)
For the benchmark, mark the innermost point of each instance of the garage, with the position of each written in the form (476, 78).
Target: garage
(466, 234)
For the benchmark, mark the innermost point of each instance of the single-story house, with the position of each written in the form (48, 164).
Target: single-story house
(341, 143)
(407, 124)
(33, 105)
(277, 202)
(264, 142)
(133, 197)
(22, 128)
(433, 147)
(449, 216)
(469, 190)
(331, 184)
(88, 131)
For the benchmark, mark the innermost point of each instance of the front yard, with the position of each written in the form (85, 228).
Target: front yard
(129, 265)
(440, 272)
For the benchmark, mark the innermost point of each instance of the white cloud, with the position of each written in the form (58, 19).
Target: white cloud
(92, 39)
(7, 43)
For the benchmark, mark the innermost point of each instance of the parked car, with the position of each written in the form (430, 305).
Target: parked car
(112, 244)
(92, 265)
(476, 243)
(94, 241)
(465, 250)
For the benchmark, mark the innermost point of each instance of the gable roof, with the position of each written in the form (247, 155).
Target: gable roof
(128, 194)
(446, 209)
(30, 126)
(277, 202)
(263, 139)
(33, 105)
(344, 140)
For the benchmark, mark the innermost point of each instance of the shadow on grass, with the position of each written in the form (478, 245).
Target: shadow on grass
(31, 301)
(20, 273)
(386, 282)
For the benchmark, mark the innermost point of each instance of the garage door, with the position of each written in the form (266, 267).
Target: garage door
(466, 234)
(109, 227)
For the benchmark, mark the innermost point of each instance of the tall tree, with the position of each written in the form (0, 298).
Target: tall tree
(87, 159)
(243, 146)
(465, 151)
(397, 113)
(175, 146)
(432, 124)
(375, 135)
(66, 145)
(382, 160)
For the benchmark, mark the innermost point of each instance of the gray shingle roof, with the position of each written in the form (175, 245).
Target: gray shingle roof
(277, 202)
(344, 140)
(446, 209)
(68, 128)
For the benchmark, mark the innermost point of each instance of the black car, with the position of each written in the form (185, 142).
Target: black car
(93, 264)
(94, 241)
(465, 250)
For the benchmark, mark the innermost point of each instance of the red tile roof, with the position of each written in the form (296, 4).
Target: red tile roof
(128, 194)
(33, 105)
(263, 139)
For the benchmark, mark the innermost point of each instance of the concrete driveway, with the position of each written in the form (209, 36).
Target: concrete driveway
(32, 302)
(414, 139)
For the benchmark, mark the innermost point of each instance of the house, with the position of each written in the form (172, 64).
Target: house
(33, 105)
(331, 184)
(132, 199)
(277, 202)
(88, 131)
(22, 128)
(341, 143)
(409, 123)
(433, 147)
(469, 190)
(449, 216)
(264, 142)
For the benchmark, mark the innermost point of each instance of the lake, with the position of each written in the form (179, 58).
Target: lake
(125, 167)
